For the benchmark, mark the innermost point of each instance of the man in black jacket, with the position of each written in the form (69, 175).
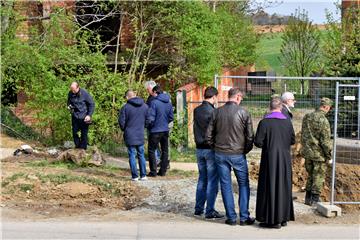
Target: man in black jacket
(159, 115)
(81, 106)
(230, 131)
(208, 182)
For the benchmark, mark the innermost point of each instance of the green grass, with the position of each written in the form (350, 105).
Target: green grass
(188, 155)
(12, 178)
(57, 164)
(26, 187)
(269, 53)
(65, 178)
(182, 173)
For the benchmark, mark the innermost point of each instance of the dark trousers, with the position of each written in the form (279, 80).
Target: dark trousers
(80, 125)
(154, 140)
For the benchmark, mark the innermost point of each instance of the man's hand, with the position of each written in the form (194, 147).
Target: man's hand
(87, 119)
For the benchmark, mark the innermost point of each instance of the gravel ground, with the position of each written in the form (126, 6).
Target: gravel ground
(178, 197)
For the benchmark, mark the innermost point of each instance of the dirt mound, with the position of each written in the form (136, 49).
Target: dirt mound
(76, 189)
(298, 165)
(347, 185)
(347, 179)
(56, 190)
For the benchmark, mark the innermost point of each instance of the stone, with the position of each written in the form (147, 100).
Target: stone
(328, 210)
(96, 158)
(77, 156)
(26, 149)
(69, 145)
(53, 152)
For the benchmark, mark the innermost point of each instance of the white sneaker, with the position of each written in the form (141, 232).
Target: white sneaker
(143, 178)
(135, 179)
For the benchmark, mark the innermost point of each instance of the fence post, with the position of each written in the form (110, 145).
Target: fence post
(358, 111)
(334, 145)
(216, 81)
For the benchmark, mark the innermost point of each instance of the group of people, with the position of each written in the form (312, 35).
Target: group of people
(224, 136)
(155, 115)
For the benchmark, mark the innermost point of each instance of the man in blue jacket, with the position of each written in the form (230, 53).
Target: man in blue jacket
(132, 122)
(81, 106)
(159, 116)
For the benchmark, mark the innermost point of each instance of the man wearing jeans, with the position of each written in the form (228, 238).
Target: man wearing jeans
(81, 105)
(208, 182)
(159, 116)
(230, 131)
(132, 122)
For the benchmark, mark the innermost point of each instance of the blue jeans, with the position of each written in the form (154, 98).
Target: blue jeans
(208, 183)
(138, 151)
(239, 164)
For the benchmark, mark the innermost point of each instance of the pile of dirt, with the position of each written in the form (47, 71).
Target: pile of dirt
(347, 185)
(347, 179)
(67, 191)
(298, 165)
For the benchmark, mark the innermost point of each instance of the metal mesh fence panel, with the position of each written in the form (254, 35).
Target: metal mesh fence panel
(346, 159)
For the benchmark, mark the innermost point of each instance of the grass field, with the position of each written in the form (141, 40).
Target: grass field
(269, 53)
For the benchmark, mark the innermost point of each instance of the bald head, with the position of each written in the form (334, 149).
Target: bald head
(74, 87)
(130, 94)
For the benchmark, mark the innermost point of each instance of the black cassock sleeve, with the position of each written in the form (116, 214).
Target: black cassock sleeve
(260, 135)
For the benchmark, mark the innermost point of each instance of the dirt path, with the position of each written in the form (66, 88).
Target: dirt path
(35, 189)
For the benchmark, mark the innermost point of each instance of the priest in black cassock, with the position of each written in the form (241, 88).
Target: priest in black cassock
(275, 135)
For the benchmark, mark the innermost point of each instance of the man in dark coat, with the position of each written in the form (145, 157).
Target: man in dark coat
(81, 106)
(150, 85)
(288, 102)
(208, 182)
(159, 116)
(231, 133)
(275, 135)
(132, 122)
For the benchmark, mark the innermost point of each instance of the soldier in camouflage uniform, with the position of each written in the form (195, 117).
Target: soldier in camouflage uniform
(316, 149)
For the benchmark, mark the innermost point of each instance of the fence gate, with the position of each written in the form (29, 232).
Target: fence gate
(345, 180)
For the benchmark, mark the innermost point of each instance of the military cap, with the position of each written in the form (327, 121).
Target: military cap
(326, 102)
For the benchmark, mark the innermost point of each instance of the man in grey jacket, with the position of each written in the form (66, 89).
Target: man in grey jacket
(231, 133)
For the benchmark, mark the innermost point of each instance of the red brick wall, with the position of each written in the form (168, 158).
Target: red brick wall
(30, 9)
(195, 93)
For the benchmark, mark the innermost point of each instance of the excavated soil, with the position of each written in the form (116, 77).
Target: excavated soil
(56, 191)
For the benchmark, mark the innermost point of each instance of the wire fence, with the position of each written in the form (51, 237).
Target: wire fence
(258, 90)
(345, 180)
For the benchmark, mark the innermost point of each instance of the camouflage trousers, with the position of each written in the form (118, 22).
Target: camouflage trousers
(316, 175)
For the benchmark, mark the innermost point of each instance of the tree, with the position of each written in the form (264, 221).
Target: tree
(342, 45)
(300, 46)
(342, 59)
(45, 65)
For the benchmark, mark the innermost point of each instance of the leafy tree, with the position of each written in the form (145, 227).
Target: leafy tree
(342, 45)
(342, 58)
(45, 65)
(300, 46)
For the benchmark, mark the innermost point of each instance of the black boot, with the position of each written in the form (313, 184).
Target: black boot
(315, 198)
(308, 198)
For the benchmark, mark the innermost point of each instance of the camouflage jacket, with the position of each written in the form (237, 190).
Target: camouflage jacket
(315, 137)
